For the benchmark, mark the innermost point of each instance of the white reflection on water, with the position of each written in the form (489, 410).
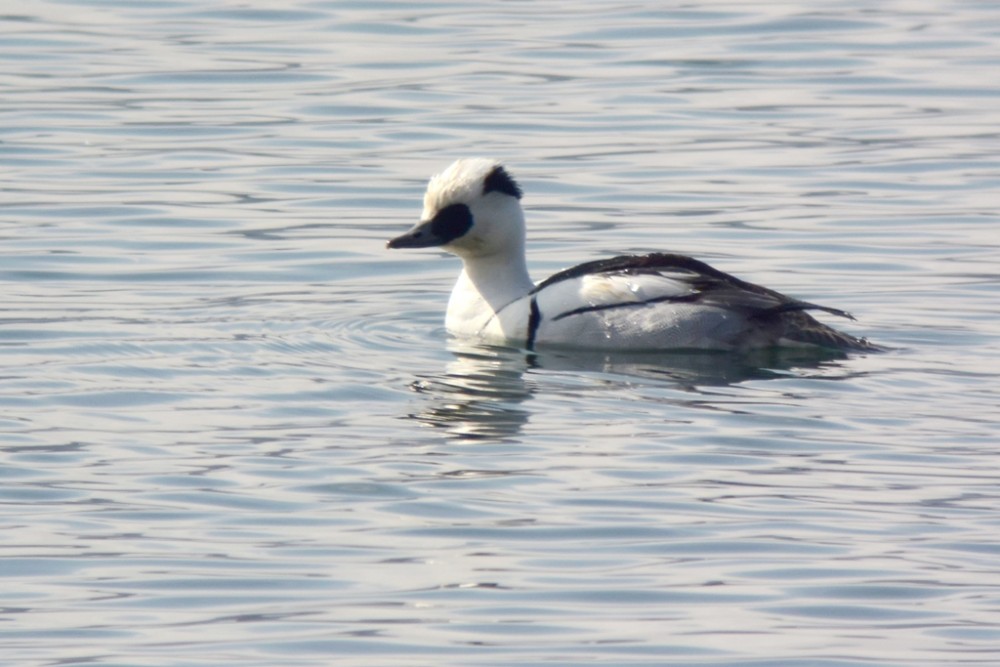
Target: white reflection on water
(481, 392)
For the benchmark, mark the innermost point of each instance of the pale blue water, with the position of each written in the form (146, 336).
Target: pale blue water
(235, 433)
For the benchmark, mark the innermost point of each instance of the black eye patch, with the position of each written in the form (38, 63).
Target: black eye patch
(451, 222)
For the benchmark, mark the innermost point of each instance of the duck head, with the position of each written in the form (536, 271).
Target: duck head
(471, 209)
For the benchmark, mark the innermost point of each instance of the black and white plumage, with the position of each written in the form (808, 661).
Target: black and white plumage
(658, 301)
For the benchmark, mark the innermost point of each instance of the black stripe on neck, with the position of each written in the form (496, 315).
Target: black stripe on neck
(534, 320)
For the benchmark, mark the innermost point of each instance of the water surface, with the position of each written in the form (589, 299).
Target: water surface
(234, 431)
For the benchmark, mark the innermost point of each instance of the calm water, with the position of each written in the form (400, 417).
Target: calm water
(234, 431)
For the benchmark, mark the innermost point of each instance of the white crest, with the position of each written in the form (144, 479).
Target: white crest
(460, 183)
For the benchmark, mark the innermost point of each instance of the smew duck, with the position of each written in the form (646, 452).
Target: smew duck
(658, 301)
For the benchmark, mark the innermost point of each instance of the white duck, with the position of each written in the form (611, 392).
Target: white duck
(631, 302)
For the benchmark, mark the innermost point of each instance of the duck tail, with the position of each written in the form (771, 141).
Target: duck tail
(802, 328)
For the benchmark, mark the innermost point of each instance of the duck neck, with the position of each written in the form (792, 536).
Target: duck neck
(497, 279)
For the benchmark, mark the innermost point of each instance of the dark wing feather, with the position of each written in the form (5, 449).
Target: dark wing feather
(712, 285)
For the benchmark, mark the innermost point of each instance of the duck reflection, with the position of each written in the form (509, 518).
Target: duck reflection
(482, 392)
(479, 395)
